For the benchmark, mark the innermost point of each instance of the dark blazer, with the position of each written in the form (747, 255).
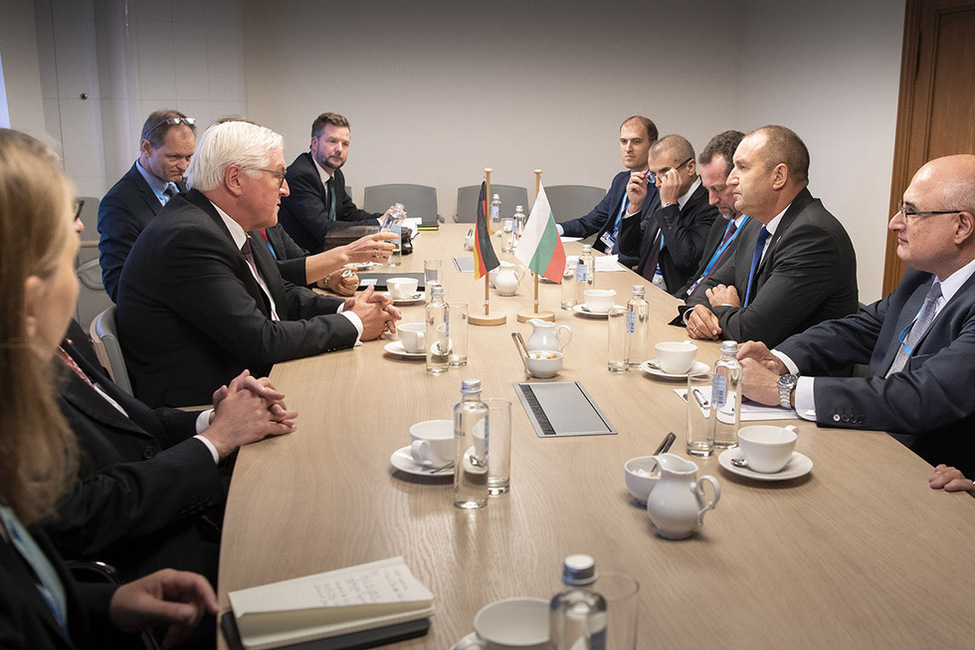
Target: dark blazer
(144, 481)
(303, 212)
(191, 316)
(289, 255)
(684, 229)
(715, 235)
(27, 622)
(808, 275)
(603, 216)
(124, 212)
(930, 404)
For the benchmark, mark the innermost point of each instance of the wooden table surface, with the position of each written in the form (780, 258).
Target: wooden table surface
(859, 553)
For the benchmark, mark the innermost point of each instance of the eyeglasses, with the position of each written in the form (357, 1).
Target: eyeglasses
(910, 214)
(276, 172)
(652, 176)
(175, 121)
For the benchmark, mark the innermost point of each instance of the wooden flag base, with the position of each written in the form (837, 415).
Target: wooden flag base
(525, 316)
(490, 320)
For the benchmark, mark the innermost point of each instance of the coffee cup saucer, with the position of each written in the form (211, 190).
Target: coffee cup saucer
(469, 641)
(798, 465)
(396, 347)
(412, 300)
(650, 367)
(583, 310)
(402, 460)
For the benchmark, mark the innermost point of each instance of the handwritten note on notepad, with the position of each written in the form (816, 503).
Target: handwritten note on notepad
(328, 604)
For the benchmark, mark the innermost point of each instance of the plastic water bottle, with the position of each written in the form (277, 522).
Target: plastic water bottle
(637, 326)
(726, 396)
(495, 213)
(393, 222)
(471, 452)
(578, 615)
(435, 336)
(585, 274)
(520, 220)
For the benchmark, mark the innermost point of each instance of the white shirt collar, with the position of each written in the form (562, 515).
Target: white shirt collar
(954, 282)
(774, 223)
(687, 195)
(236, 231)
(325, 176)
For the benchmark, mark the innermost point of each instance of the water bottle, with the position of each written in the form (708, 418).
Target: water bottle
(393, 222)
(520, 220)
(726, 395)
(471, 452)
(435, 336)
(495, 213)
(577, 618)
(585, 274)
(637, 327)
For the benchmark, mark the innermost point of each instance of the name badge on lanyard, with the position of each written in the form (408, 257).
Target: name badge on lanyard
(608, 238)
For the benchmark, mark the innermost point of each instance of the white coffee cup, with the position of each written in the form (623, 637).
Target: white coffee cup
(676, 357)
(544, 363)
(514, 624)
(767, 448)
(402, 288)
(411, 336)
(599, 301)
(433, 442)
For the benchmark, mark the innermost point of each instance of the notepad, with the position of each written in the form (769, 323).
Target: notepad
(329, 604)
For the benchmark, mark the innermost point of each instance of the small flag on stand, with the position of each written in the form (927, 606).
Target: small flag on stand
(485, 260)
(540, 246)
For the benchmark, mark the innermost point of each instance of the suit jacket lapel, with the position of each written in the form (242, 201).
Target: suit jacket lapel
(802, 200)
(84, 398)
(144, 190)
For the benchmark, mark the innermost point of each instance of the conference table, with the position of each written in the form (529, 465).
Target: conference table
(860, 552)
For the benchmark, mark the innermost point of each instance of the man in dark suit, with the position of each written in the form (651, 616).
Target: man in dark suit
(919, 341)
(318, 203)
(714, 165)
(198, 303)
(150, 489)
(797, 270)
(637, 133)
(669, 242)
(168, 142)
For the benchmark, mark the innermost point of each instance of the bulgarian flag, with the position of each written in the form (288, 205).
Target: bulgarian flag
(485, 259)
(540, 247)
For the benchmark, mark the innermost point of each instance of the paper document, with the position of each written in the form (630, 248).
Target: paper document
(328, 604)
(604, 263)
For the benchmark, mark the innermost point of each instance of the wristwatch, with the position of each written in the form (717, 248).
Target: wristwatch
(787, 384)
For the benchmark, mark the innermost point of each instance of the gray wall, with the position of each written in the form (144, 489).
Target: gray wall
(437, 90)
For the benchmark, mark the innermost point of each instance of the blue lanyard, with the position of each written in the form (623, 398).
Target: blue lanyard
(725, 245)
(907, 330)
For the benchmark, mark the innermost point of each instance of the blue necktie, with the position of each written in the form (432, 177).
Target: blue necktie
(756, 258)
(917, 329)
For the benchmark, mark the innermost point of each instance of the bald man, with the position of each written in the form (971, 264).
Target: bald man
(919, 341)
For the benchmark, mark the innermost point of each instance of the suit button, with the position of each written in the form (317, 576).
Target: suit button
(148, 453)
(836, 417)
(845, 419)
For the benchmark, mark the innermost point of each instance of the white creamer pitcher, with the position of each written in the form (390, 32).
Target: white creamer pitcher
(678, 503)
(547, 336)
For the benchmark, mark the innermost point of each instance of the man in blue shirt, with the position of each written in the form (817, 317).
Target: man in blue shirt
(168, 142)
(637, 133)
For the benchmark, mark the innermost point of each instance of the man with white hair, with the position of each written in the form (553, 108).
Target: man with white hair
(199, 300)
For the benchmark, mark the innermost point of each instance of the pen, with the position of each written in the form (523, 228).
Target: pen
(699, 397)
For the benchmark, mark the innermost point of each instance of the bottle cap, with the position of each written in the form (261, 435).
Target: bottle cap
(579, 570)
(639, 290)
(436, 290)
(470, 386)
(587, 248)
(727, 347)
(519, 208)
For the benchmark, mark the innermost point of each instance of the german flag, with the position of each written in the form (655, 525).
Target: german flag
(485, 259)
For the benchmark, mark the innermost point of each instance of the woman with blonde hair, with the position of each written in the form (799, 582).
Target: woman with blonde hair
(42, 607)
